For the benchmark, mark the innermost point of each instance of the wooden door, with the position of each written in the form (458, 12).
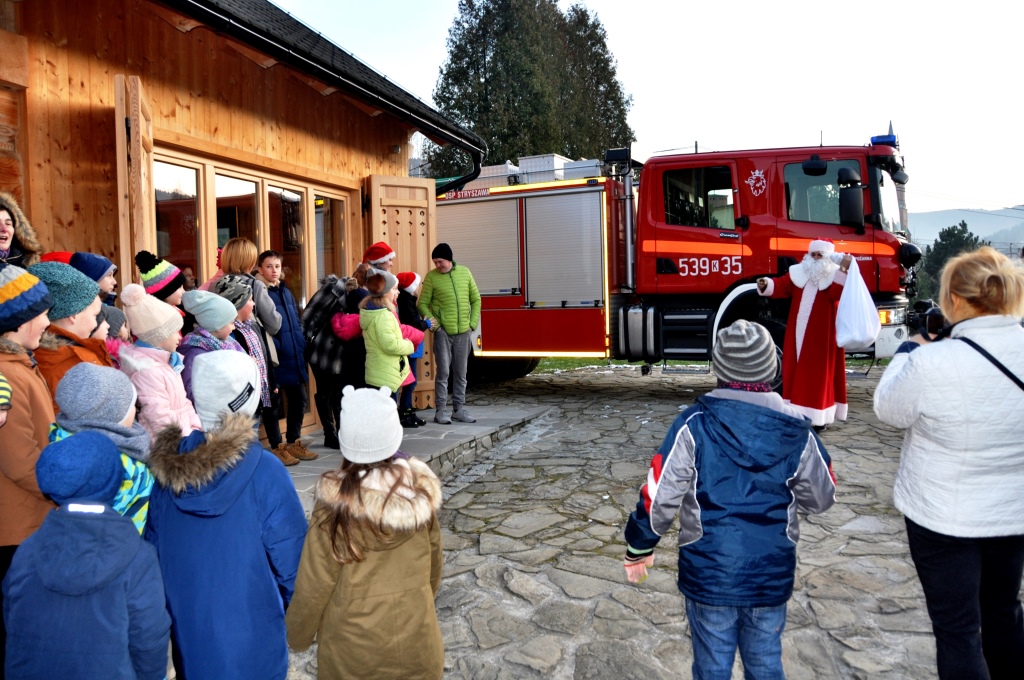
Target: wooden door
(133, 124)
(402, 214)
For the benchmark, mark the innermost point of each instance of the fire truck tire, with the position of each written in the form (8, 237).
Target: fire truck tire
(490, 370)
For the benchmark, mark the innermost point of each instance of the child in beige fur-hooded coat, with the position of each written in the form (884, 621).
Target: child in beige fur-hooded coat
(371, 564)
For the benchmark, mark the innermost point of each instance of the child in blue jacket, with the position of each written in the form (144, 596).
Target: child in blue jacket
(84, 597)
(734, 468)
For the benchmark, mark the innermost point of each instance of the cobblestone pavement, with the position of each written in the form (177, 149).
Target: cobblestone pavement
(534, 585)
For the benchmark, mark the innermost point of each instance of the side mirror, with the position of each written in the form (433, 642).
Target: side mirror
(851, 206)
(814, 166)
(848, 177)
(900, 177)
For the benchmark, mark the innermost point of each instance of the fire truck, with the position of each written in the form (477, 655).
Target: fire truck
(579, 268)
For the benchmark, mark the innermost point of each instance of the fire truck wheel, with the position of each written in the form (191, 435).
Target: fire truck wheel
(483, 371)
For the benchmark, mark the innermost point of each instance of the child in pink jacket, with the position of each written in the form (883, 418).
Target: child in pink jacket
(153, 365)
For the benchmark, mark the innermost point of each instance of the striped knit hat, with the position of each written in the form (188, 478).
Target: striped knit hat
(23, 297)
(744, 353)
(152, 320)
(160, 277)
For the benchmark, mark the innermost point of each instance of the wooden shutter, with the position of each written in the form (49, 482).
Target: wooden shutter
(402, 214)
(136, 199)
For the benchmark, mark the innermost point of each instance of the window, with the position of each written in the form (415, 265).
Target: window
(236, 209)
(330, 236)
(699, 197)
(177, 214)
(286, 236)
(815, 199)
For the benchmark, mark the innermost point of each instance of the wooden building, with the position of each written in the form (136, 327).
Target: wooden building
(175, 125)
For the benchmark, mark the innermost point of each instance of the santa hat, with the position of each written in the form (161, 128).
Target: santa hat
(409, 282)
(378, 253)
(822, 245)
(57, 256)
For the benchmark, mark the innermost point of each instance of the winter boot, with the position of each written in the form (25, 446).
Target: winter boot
(301, 452)
(284, 455)
(416, 419)
(407, 419)
(328, 420)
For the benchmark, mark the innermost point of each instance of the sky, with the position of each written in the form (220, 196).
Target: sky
(745, 75)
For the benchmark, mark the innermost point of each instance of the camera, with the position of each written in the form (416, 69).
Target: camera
(927, 320)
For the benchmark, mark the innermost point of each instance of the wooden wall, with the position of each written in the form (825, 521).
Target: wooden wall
(207, 94)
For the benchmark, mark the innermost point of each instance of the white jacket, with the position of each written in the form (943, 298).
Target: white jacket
(962, 464)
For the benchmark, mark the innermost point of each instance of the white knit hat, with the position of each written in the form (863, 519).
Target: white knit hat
(224, 381)
(152, 320)
(369, 430)
(821, 245)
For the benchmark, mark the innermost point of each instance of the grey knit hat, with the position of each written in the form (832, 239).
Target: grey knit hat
(237, 289)
(76, 395)
(745, 353)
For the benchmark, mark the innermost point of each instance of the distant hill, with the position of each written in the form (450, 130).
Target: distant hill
(996, 226)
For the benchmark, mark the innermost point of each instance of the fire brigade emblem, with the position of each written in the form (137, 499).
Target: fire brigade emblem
(757, 182)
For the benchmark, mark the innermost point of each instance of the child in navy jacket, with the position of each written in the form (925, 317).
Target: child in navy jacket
(734, 467)
(84, 597)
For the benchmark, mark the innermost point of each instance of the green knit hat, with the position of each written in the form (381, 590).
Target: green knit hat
(71, 290)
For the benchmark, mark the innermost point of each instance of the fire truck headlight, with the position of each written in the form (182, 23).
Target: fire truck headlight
(892, 317)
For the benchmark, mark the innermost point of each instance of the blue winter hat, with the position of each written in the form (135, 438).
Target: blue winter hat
(85, 466)
(71, 290)
(23, 297)
(212, 311)
(92, 265)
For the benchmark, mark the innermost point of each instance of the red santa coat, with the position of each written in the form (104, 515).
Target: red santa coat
(813, 365)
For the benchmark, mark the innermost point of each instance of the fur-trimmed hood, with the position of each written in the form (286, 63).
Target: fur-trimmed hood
(403, 512)
(196, 465)
(24, 235)
(11, 347)
(52, 341)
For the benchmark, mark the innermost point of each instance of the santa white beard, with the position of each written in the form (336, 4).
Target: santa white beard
(819, 270)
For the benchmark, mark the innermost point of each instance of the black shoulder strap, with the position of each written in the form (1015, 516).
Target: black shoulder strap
(995, 362)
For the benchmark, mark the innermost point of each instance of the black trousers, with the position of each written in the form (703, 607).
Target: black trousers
(295, 410)
(972, 587)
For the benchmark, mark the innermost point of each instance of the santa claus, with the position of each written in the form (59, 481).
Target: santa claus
(813, 365)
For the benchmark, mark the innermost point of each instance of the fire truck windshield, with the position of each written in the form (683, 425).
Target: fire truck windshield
(890, 203)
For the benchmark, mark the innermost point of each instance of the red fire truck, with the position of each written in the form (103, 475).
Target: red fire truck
(570, 268)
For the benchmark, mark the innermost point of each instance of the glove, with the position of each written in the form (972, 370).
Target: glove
(636, 567)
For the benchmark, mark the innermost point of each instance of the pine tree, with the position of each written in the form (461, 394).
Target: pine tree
(529, 80)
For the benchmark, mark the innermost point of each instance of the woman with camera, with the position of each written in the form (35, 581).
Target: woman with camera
(960, 483)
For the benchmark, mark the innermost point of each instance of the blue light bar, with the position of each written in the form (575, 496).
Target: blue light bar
(883, 140)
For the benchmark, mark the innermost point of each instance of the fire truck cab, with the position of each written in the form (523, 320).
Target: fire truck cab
(709, 224)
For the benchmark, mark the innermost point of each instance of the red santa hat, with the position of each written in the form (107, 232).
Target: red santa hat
(822, 245)
(409, 282)
(378, 253)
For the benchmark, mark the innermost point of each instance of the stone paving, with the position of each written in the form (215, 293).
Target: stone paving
(534, 586)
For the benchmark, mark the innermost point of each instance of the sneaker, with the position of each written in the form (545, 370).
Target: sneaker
(416, 419)
(462, 415)
(441, 419)
(284, 456)
(301, 452)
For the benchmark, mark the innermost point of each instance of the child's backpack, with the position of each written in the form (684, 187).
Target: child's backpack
(323, 347)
